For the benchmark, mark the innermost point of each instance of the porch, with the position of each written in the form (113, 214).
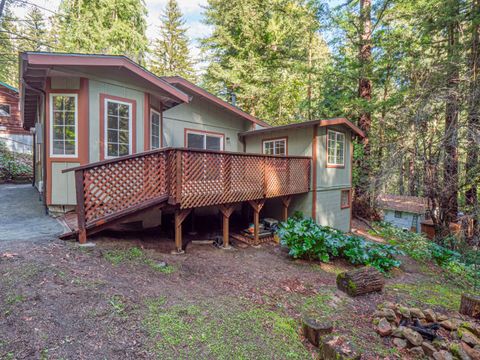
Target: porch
(181, 179)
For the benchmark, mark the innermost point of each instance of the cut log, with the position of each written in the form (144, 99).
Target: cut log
(337, 348)
(361, 281)
(470, 305)
(313, 330)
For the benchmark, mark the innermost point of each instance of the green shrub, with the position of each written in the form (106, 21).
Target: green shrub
(305, 239)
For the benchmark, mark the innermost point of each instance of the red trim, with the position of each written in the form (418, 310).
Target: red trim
(82, 136)
(104, 97)
(48, 59)
(351, 180)
(314, 172)
(202, 92)
(326, 149)
(277, 138)
(186, 130)
(349, 199)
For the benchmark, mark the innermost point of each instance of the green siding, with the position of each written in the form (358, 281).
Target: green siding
(63, 185)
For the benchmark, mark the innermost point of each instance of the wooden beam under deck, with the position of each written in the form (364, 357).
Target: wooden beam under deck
(257, 206)
(180, 216)
(226, 210)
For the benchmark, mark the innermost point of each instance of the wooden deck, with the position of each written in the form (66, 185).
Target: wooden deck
(183, 178)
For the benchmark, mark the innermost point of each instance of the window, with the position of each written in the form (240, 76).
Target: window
(335, 148)
(204, 141)
(63, 125)
(155, 129)
(275, 147)
(345, 199)
(398, 214)
(4, 109)
(118, 128)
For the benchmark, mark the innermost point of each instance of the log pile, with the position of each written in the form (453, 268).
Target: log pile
(470, 305)
(361, 281)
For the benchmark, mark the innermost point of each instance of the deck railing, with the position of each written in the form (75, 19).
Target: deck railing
(183, 177)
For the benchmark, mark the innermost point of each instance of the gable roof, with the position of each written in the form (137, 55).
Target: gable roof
(8, 86)
(410, 204)
(322, 122)
(197, 90)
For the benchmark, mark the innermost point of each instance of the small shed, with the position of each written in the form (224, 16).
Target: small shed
(405, 212)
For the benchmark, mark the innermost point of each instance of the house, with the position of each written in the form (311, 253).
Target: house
(115, 141)
(11, 131)
(405, 212)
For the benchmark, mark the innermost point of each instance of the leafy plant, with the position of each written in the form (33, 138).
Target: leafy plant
(305, 239)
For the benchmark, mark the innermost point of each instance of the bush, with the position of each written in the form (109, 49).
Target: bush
(13, 165)
(305, 239)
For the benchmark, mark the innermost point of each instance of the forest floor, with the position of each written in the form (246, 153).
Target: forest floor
(116, 300)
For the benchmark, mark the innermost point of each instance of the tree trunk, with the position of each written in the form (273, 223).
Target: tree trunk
(313, 330)
(363, 201)
(470, 305)
(450, 167)
(473, 127)
(361, 281)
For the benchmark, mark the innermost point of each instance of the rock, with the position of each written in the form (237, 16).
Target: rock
(430, 315)
(459, 352)
(417, 313)
(440, 344)
(405, 312)
(337, 348)
(388, 314)
(313, 330)
(448, 325)
(428, 348)
(473, 328)
(384, 328)
(389, 305)
(441, 317)
(442, 355)
(400, 343)
(417, 352)
(473, 353)
(413, 337)
(468, 338)
(161, 264)
(398, 332)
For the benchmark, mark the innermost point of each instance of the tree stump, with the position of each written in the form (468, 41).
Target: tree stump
(470, 305)
(361, 281)
(313, 330)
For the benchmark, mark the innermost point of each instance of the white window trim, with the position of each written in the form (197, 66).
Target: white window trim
(9, 110)
(273, 141)
(52, 155)
(205, 134)
(153, 111)
(105, 119)
(344, 147)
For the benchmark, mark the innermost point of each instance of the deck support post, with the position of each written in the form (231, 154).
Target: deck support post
(180, 216)
(257, 206)
(82, 231)
(226, 210)
(286, 203)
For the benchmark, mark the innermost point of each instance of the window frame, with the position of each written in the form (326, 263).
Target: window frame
(336, 165)
(349, 198)
(106, 100)
(160, 126)
(283, 138)
(398, 212)
(9, 110)
(205, 133)
(52, 155)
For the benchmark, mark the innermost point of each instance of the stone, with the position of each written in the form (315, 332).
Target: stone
(428, 348)
(337, 348)
(449, 325)
(441, 317)
(468, 338)
(440, 344)
(473, 353)
(413, 337)
(417, 352)
(417, 313)
(399, 343)
(442, 355)
(388, 314)
(389, 305)
(398, 332)
(384, 328)
(459, 352)
(405, 312)
(473, 328)
(430, 315)
(161, 264)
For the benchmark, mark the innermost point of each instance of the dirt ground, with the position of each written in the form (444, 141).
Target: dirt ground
(118, 300)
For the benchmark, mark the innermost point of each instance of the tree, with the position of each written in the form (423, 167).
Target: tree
(114, 27)
(170, 55)
(34, 32)
(269, 54)
(8, 49)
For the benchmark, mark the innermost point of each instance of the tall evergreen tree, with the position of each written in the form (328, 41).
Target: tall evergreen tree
(8, 48)
(103, 26)
(268, 53)
(170, 55)
(34, 32)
